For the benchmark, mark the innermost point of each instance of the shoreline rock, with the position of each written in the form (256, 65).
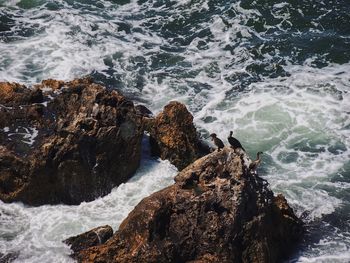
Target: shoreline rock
(65, 142)
(93, 237)
(69, 142)
(174, 137)
(215, 212)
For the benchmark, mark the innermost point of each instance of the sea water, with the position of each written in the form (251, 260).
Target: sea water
(276, 73)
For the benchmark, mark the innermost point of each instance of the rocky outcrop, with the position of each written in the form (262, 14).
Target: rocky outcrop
(65, 141)
(74, 141)
(94, 237)
(215, 212)
(174, 137)
(14, 94)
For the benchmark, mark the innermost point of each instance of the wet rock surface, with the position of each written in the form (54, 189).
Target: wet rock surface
(93, 237)
(215, 212)
(174, 137)
(65, 142)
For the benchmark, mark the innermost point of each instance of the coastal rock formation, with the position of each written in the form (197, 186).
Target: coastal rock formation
(215, 212)
(174, 137)
(65, 141)
(14, 94)
(93, 237)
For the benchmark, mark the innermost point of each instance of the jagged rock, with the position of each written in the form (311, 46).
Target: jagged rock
(65, 141)
(143, 111)
(13, 172)
(9, 257)
(93, 237)
(52, 84)
(215, 212)
(14, 94)
(173, 136)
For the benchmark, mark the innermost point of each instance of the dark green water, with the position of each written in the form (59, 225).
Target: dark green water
(275, 72)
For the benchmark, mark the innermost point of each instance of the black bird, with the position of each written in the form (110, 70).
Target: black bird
(217, 141)
(254, 165)
(234, 142)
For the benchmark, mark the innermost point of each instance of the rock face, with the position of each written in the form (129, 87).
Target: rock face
(174, 137)
(65, 141)
(215, 212)
(94, 237)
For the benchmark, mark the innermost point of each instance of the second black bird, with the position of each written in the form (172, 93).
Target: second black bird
(234, 142)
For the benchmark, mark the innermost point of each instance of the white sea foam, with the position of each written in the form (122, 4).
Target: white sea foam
(37, 232)
(28, 135)
(293, 118)
(9, 3)
(301, 122)
(330, 249)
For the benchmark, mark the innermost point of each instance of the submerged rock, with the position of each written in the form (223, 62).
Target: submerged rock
(215, 212)
(93, 237)
(174, 137)
(65, 142)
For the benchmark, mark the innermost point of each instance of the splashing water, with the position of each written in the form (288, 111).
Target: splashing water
(276, 73)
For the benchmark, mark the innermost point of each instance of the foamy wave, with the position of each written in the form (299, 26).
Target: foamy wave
(233, 68)
(37, 232)
(300, 123)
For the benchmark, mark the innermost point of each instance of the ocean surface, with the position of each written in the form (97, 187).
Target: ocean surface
(277, 73)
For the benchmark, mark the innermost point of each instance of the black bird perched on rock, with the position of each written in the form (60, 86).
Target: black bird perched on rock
(217, 141)
(254, 165)
(234, 142)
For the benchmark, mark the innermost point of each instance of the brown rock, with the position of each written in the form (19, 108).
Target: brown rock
(143, 111)
(174, 136)
(14, 94)
(215, 212)
(13, 176)
(52, 83)
(74, 144)
(93, 237)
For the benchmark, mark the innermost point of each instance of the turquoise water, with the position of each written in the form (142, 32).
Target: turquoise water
(274, 72)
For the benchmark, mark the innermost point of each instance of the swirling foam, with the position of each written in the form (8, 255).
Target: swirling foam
(238, 66)
(37, 232)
